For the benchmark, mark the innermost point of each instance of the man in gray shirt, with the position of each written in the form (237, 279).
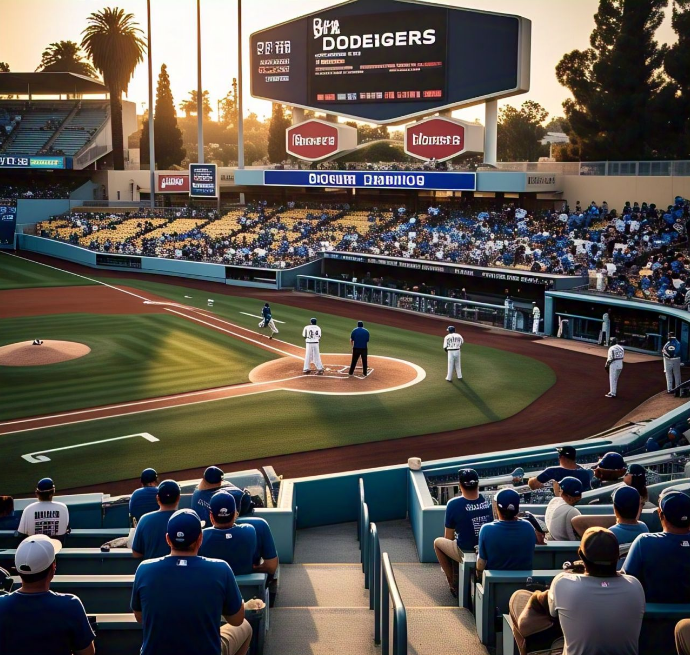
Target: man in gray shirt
(601, 611)
(561, 510)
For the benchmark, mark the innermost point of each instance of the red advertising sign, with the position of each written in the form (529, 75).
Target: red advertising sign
(316, 139)
(173, 183)
(438, 138)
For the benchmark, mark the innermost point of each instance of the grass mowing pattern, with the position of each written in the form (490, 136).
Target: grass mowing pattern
(18, 273)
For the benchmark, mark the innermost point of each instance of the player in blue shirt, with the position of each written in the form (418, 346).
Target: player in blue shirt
(180, 598)
(149, 536)
(143, 500)
(507, 544)
(465, 516)
(235, 544)
(208, 485)
(661, 560)
(566, 468)
(34, 619)
(268, 321)
(359, 340)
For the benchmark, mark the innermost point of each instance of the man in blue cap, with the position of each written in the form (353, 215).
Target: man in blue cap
(661, 560)
(149, 536)
(208, 485)
(611, 467)
(234, 544)
(180, 598)
(359, 340)
(626, 507)
(143, 500)
(567, 466)
(507, 544)
(45, 516)
(561, 510)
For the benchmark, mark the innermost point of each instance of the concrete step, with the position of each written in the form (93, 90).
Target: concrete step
(327, 544)
(431, 630)
(321, 631)
(322, 585)
(397, 540)
(422, 585)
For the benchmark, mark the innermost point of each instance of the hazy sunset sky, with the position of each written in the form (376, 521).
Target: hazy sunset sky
(28, 26)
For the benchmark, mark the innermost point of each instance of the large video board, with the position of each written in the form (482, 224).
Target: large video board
(388, 60)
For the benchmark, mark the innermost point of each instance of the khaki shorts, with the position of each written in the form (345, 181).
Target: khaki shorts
(232, 638)
(450, 548)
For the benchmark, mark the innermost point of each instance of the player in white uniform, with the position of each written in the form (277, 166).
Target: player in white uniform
(312, 335)
(614, 364)
(452, 343)
(536, 317)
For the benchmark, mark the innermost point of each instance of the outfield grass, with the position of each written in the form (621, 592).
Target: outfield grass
(496, 385)
(18, 273)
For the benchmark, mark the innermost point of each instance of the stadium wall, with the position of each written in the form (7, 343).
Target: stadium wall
(32, 211)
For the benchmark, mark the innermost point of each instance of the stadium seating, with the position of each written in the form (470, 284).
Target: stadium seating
(38, 124)
(80, 128)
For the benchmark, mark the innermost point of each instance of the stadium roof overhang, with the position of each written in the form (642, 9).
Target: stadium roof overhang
(49, 84)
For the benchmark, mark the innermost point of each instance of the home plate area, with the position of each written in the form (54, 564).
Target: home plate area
(385, 374)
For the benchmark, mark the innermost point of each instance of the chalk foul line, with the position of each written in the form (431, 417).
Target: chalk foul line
(38, 458)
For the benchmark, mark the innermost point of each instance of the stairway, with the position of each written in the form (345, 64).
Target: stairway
(322, 607)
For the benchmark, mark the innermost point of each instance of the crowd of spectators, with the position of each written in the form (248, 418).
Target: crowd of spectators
(49, 191)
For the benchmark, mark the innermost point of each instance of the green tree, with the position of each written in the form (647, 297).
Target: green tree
(189, 106)
(276, 134)
(366, 133)
(615, 82)
(229, 106)
(519, 132)
(676, 96)
(557, 124)
(65, 57)
(112, 42)
(377, 152)
(168, 136)
(4, 67)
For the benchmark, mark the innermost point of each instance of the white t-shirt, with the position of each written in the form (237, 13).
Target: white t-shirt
(312, 333)
(44, 517)
(558, 519)
(599, 616)
(453, 341)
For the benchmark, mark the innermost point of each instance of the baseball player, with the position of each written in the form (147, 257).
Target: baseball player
(312, 335)
(536, 317)
(605, 329)
(268, 320)
(614, 365)
(452, 343)
(671, 353)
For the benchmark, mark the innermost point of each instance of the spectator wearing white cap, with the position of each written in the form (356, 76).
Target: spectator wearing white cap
(143, 500)
(44, 516)
(561, 511)
(211, 481)
(34, 619)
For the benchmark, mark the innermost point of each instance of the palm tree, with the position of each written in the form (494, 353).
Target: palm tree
(64, 57)
(4, 67)
(113, 43)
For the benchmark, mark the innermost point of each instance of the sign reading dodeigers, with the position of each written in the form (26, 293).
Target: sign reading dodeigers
(203, 181)
(8, 222)
(21, 161)
(373, 180)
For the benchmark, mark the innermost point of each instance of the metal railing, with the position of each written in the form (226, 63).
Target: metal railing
(390, 595)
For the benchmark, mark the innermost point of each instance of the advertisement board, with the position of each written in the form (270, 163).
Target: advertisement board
(8, 223)
(316, 139)
(172, 183)
(35, 162)
(373, 180)
(442, 138)
(392, 60)
(203, 181)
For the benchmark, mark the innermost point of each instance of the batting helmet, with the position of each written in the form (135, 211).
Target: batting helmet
(613, 341)
(313, 321)
(266, 305)
(451, 328)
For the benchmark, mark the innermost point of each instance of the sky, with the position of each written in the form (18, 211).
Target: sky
(558, 26)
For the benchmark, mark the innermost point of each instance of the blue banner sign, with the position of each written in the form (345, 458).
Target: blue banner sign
(374, 180)
(203, 181)
(31, 161)
(8, 222)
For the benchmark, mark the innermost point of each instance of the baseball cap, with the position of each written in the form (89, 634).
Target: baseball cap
(223, 505)
(571, 486)
(360, 324)
(637, 470)
(676, 508)
(168, 492)
(148, 476)
(45, 484)
(243, 500)
(626, 499)
(36, 554)
(567, 452)
(519, 472)
(600, 546)
(184, 527)
(612, 462)
(213, 475)
(468, 477)
(508, 501)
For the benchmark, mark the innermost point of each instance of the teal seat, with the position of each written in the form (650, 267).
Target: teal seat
(86, 561)
(78, 538)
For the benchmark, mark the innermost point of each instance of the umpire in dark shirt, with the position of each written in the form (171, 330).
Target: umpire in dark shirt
(359, 340)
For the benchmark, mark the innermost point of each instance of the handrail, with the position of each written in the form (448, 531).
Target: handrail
(361, 504)
(390, 592)
(375, 578)
(365, 544)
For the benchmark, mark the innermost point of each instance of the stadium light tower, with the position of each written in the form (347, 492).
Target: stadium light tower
(152, 143)
(240, 117)
(199, 92)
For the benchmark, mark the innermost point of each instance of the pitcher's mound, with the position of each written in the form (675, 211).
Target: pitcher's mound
(50, 352)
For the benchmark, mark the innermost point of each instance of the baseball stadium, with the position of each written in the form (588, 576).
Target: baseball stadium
(362, 375)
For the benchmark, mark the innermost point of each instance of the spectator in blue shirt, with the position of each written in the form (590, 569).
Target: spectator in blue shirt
(149, 536)
(661, 560)
(652, 445)
(143, 500)
(235, 544)
(465, 515)
(627, 507)
(8, 521)
(208, 485)
(180, 598)
(507, 544)
(359, 340)
(610, 468)
(566, 468)
(34, 619)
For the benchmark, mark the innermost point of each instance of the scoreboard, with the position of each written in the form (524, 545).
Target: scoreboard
(8, 223)
(386, 61)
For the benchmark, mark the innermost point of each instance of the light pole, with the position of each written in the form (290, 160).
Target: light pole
(199, 92)
(240, 116)
(152, 144)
